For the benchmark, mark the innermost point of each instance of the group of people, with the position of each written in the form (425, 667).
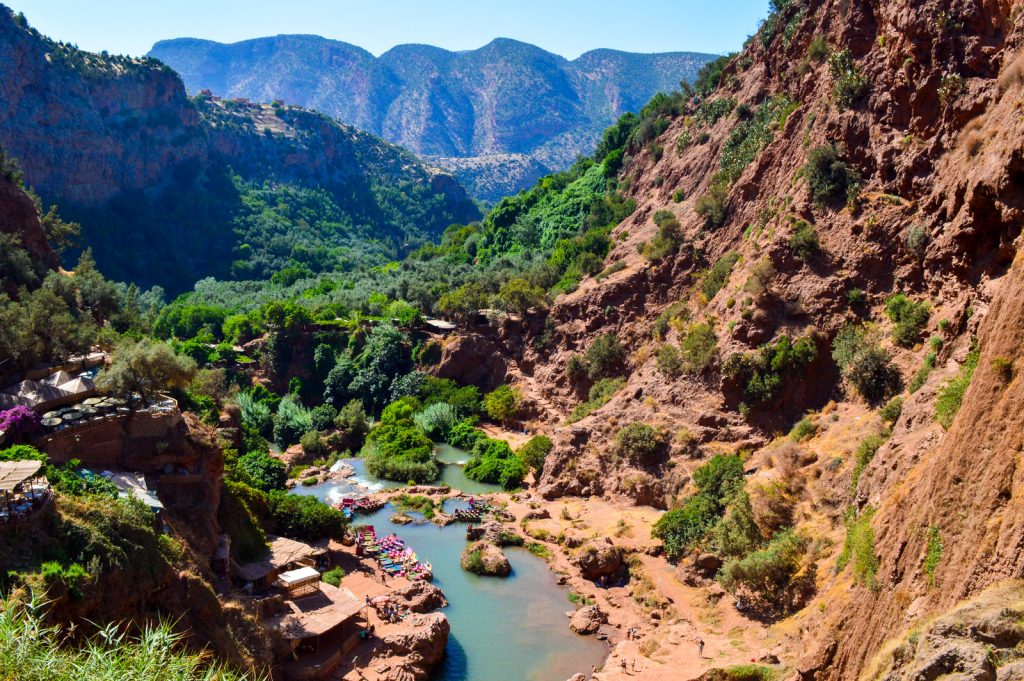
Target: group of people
(391, 613)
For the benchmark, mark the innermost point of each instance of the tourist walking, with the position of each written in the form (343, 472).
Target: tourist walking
(700, 648)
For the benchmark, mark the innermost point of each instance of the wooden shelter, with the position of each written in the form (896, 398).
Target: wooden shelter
(284, 554)
(22, 488)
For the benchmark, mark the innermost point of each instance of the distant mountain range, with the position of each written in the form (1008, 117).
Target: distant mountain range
(499, 117)
(170, 189)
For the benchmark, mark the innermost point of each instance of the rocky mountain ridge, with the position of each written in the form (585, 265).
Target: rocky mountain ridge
(854, 151)
(499, 117)
(120, 147)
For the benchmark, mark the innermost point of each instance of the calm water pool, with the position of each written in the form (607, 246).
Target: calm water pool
(512, 629)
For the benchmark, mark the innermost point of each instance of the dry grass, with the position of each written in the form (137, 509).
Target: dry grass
(1012, 75)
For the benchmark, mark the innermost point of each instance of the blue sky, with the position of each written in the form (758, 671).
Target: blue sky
(566, 27)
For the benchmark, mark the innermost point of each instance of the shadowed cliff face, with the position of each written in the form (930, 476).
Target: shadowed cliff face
(490, 115)
(118, 145)
(922, 104)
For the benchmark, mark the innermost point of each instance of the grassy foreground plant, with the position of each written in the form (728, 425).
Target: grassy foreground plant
(32, 651)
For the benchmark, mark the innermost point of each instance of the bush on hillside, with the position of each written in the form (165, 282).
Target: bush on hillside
(504, 403)
(765, 578)
(640, 444)
(832, 182)
(909, 318)
(263, 471)
(865, 364)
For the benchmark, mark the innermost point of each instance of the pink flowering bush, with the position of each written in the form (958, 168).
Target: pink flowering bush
(20, 422)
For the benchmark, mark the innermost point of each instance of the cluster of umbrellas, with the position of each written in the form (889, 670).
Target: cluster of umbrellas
(87, 410)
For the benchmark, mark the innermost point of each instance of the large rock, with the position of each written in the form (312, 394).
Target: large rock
(485, 559)
(420, 597)
(587, 620)
(599, 558)
(420, 644)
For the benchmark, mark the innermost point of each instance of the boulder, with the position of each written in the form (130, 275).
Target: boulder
(537, 514)
(420, 641)
(599, 558)
(587, 620)
(485, 559)
(707, 565)
(420, 597)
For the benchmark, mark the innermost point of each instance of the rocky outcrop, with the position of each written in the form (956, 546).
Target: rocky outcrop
(472, 360)
(587, 620)
(485, 559)
(599, 558)
(420, 597)
(977, 640)
(414, 649)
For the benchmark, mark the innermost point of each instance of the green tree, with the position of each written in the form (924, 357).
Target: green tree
(504, 403)
(145, 367)
(518, 296)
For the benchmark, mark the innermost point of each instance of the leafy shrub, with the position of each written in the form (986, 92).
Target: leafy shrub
(762, 375)
(859, 547)
(669, 360)
(605, 356)
(396, 449)
(818, 50)
(22, 453)
(640, 444)
(711, 111)
(504, 403)
(681, 528)
(716, 277)
(766, 576)
(464, 434)
(667, 241)
(804, 429)
(712, 205)
(304, 517)
(437, 420)
(865, 364)
(909, 318)
(890, 413)
(576, 368)
(674, 312)
(313, 444)
(698, 347)
(710, 75)
(717, 481)
(917, 241)
(600, 394)
(866, 451)
(923, 373)
(736, 533)
(678, 195)
(747, 139)
(494, 462)
(322, 417)
(759, 280)
(334, 576)
(263, 471)
(804, 240)
(534, 451)
(832, 182)
(849, 84)
(951, 395)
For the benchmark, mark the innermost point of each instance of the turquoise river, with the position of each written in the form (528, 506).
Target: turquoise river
(512, 629)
